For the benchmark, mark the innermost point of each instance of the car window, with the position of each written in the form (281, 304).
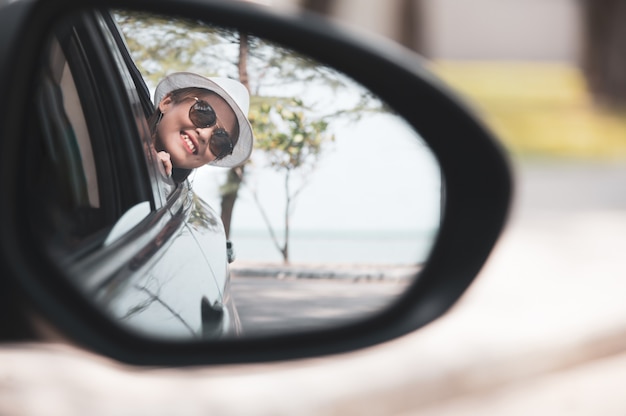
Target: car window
(67, 176)
(80, 173)
(141, 106)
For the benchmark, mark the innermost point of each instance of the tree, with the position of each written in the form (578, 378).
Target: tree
(234, 178)
(293, 144)
(160, 45)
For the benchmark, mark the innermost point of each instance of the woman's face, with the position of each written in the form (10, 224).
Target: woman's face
(187, 144)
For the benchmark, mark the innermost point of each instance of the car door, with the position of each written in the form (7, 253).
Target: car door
(109, 214)
(219, 315)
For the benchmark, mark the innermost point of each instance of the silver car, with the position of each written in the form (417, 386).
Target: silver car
(106, 197)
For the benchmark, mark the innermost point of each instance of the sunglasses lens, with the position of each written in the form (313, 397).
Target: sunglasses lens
(220, 144)
(202, 114)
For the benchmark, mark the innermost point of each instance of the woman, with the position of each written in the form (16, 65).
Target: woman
(200, 121)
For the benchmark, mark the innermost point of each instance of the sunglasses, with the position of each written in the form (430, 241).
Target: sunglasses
(202, 115)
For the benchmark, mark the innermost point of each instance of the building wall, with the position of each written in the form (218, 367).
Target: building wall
(502, 29)
(475, 29)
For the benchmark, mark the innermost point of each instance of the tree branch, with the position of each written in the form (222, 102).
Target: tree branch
(255, 196)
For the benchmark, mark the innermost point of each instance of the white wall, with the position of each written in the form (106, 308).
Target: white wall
(503, 29)
(475, 29)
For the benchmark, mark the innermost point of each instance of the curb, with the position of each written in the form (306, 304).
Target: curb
(357, 273)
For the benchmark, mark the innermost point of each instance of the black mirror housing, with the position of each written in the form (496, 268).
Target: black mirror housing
(475, 170)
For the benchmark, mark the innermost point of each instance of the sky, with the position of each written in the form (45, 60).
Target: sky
(377, 176)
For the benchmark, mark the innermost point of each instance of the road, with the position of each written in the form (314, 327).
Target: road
(549, 195)
(278, 305)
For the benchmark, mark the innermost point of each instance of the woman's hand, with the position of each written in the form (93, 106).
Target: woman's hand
(167, 162)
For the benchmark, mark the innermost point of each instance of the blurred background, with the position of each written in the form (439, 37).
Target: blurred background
(546, 75)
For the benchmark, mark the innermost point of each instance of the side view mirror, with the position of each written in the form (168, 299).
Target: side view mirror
(99, 241)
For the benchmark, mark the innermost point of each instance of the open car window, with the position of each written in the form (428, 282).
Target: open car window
(79, 164)
(141, 106)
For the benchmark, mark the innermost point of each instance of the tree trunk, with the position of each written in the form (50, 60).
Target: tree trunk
(285, 250)
(235, 175)
(604, 51)
(411, 27)
(243, 59)
(229, 196)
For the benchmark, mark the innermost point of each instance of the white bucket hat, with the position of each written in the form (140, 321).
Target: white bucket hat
(235, 94)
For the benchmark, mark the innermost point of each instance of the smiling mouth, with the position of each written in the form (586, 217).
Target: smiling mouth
(189, 143)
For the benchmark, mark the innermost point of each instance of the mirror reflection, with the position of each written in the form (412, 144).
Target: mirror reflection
(154, 207)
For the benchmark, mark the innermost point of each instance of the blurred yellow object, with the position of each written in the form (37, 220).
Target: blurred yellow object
(538, 109)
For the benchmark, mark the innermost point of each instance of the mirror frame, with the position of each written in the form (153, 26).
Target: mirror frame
(475, 172)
